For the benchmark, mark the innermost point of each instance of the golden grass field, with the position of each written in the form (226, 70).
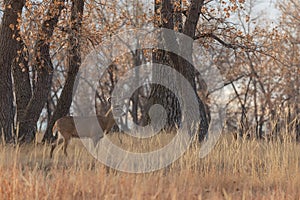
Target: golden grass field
(235, 169)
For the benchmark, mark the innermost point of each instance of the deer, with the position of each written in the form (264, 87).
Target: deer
(64, 129)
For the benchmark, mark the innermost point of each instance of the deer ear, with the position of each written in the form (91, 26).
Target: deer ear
(109, 99)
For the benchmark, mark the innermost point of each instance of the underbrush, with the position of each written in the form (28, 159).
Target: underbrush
(243, 168)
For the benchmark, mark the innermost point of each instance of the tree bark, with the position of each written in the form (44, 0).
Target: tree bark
(161, 95)
(8, 51)
(44, 70)
(74, 62)
(22, 86)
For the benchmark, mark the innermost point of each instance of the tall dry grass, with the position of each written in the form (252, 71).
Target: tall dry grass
(235, 169)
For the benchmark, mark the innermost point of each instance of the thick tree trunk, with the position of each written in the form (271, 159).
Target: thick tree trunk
(74, 62)
(44, 70)
(161, 95)
(8, 51)
(22, 86)
(136, 94)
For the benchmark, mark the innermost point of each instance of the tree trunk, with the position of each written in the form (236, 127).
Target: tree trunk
(161, 95)
(44, 71)
(74, 62)
(8, 51)
(22, 86)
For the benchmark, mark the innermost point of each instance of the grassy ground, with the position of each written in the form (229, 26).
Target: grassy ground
(242, 169)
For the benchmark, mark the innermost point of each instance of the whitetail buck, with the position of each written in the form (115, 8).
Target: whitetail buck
(66, 129)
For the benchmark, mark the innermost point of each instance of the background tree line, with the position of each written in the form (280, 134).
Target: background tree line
(42, 45)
